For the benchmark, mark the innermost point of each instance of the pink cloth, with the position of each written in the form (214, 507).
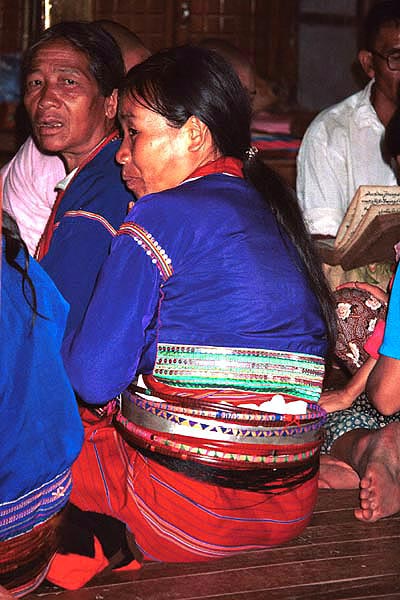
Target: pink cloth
(271, 123)
(29, 180)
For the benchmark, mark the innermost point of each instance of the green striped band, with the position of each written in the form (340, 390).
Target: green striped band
(250, 369)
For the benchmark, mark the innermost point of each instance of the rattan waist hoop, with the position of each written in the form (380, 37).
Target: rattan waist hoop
(241, 418)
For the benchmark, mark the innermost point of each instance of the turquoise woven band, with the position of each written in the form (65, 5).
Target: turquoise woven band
(295, 374)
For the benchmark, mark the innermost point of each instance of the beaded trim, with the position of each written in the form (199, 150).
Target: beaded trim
(271, 459)
(227, 412)
(212, 453)
(21, 515)
(152, 248)
(163, 419)
(192, 366)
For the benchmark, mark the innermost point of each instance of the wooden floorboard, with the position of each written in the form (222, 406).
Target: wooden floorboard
(336, 558)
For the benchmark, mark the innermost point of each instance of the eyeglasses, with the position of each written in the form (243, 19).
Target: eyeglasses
(392, 59)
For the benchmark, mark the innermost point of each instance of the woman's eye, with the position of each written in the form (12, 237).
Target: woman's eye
(33, 83)
(132, 132)
(69, 81)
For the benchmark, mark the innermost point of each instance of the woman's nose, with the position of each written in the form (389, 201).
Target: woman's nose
(48, 96)
(123, 155)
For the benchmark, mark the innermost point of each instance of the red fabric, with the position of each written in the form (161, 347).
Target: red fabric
(174, 517)
(134, 565)
(224, 164)
(374, 342)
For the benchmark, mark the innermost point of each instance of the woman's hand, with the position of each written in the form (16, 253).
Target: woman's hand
(332, 400)
(374, 290)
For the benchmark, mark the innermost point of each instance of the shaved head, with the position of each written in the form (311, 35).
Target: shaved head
(132, 48)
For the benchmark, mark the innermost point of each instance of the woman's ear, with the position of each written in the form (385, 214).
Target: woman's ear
(366, 61)
(111, 105)
(198, 134)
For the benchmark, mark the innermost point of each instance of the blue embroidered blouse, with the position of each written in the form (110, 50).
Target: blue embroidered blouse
(94, 204)
(204, 263)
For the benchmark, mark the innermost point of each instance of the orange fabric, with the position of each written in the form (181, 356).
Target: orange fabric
(72, 571)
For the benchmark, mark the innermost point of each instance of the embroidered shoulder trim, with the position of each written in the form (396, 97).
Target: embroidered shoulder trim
(91, 216)
(152, 248)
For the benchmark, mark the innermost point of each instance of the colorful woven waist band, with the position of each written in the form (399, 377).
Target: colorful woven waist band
(249, 369)
(217, 427)
(234, 424)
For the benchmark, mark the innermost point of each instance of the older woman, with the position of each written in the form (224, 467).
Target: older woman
(71, 75)
(212, 293)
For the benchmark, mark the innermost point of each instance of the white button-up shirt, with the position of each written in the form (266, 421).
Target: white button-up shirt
(340, 151)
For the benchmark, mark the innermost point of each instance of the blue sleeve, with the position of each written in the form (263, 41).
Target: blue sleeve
(77, 251)
(391, 341)
(102, 356)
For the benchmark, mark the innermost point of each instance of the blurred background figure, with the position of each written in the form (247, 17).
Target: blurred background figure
(263, 94)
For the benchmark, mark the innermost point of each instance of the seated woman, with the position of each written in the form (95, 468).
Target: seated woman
(41, 433)
(213, 293)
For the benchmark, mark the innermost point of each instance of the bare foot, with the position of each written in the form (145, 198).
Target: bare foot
(377, 457)
(336, 474)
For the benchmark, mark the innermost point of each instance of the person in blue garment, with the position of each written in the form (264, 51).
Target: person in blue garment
(365, 452)
(362, 432)
(41, 430)
(213, 293)
(71, 75)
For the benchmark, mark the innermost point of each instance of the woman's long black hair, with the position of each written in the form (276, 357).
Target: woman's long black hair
(180, 82)
(13, 245)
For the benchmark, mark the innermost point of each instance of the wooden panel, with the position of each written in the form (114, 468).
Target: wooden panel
(275, 49)
(255, 26)
(151, 20)
(11, 25)
(65, 10)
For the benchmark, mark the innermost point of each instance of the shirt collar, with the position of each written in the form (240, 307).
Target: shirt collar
(366, 115)
(225, 164)
(63, 184)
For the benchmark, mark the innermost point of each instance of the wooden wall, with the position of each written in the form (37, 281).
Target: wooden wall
(19, 23)
(11, 25)
(267, 30)
(252, 25)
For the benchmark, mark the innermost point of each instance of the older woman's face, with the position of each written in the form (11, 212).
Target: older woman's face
(153, 154)
(68, 113)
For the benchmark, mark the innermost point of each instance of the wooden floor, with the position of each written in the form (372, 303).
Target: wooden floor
(336, 558)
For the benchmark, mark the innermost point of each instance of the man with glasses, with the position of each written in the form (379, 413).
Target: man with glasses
(341, 149)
